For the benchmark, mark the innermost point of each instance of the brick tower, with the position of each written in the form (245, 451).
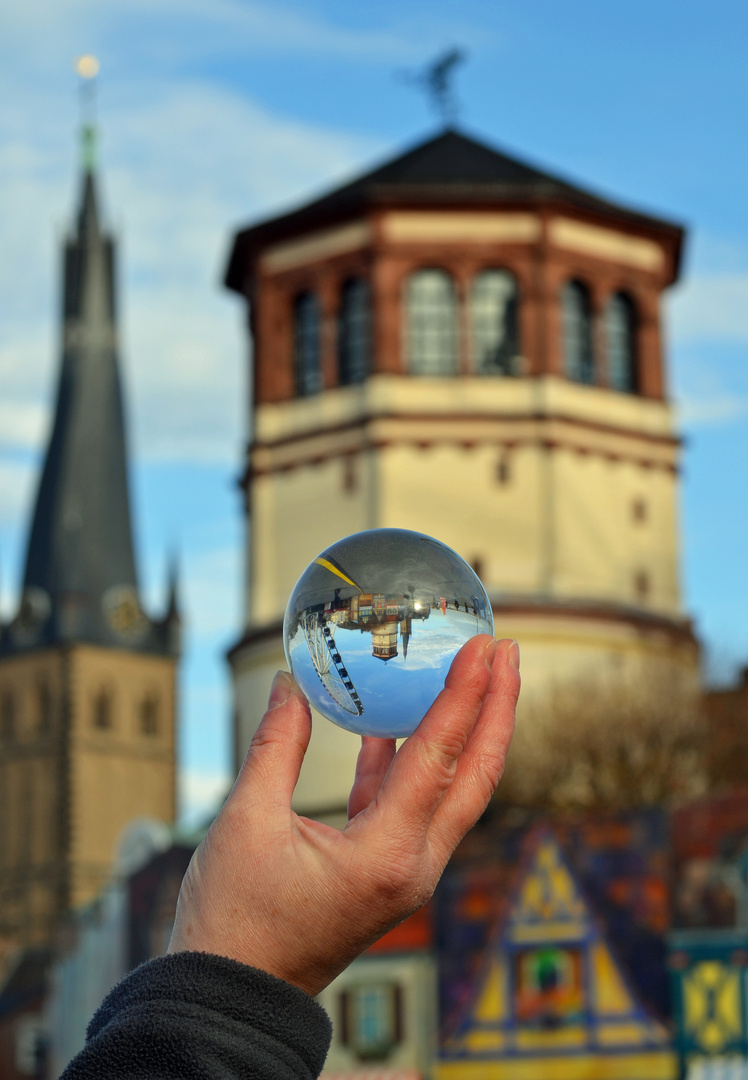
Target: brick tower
(464, 345)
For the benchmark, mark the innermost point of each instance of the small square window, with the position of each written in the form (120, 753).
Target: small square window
(639, 511)
(642, 585)
(350, 474)
(504, 469)
(477, 565)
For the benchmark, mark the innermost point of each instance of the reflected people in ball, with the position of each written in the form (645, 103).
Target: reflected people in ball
(373, 624)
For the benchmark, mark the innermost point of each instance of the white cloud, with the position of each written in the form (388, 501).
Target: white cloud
(711, 306)
(201, 794)
(23, 423)
(252, 26)
(17, 478)
(185, 160)
(212, 597)
(179, 173)
(171, 31)
(711, 411)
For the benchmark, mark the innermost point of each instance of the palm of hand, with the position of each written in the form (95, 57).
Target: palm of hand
(300, 899)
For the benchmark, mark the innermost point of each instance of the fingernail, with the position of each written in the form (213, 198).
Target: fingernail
(514, 655)
(280, 690)
(489, 653)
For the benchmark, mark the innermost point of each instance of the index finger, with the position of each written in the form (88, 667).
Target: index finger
(425, 766)
(482, 762)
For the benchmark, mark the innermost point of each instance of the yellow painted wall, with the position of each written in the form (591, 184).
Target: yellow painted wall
(451, 493)
(119, 774)
(31, 800)
(295, 515)
(561, 525)
(561, 528)
(656, 1065)
(74, 781)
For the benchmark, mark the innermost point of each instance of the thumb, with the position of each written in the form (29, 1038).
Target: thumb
(271, 768)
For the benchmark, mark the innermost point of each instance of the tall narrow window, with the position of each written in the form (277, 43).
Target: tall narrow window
(494, 323)
(306, 344)
(148, 710)
(620, 341)
(8, 716)
(354, 332)
(44, 709)
(102, 711)
(431, 323)
(579, 363)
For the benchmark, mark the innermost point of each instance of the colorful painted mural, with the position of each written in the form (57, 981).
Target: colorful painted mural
(549, 998)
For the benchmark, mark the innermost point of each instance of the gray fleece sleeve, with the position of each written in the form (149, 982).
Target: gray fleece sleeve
(191, 1016)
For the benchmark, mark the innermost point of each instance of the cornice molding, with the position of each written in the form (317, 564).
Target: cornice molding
(325, 443)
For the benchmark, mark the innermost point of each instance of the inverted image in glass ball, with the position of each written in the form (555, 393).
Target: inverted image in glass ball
(373, 624)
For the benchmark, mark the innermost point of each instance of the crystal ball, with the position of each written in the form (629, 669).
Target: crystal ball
(373, 624)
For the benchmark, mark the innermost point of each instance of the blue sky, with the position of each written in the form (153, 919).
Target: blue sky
(217, 112)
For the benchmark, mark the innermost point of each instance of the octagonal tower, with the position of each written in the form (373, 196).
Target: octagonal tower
(464, 345)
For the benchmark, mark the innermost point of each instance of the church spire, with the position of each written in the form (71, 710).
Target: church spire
(80, 581)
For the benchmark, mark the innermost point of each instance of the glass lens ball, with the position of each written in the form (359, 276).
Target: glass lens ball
(373, 624)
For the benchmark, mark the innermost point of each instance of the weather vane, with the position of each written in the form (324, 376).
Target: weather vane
(437, 79)
(88, 68)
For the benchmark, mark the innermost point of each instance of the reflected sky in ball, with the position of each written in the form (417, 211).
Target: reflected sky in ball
(374, 623)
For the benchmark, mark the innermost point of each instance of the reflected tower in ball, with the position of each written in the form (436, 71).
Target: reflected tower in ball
(374, 623)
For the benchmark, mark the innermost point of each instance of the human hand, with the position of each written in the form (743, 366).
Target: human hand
(300, 899)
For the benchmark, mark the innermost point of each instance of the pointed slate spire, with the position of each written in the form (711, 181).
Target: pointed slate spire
(171, 624)
(172, 602)
(80, 581)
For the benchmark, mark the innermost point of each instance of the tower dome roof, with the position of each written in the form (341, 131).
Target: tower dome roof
(451, 169)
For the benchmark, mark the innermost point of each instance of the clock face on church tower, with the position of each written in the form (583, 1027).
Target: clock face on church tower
(123, 612)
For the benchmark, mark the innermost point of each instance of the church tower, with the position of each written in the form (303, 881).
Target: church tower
(87, 678)
(462, 344)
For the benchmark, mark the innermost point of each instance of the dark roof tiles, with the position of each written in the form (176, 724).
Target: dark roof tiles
(80, 582)
(451, 168)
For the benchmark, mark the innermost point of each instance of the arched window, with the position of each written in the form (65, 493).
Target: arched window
(494, 323)
(102, 717)
(354, 332)
(620, 341)
(306, 344)
(8, 716)
(576, 309)
(149, 716)
(44, 709)
(431, 323)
